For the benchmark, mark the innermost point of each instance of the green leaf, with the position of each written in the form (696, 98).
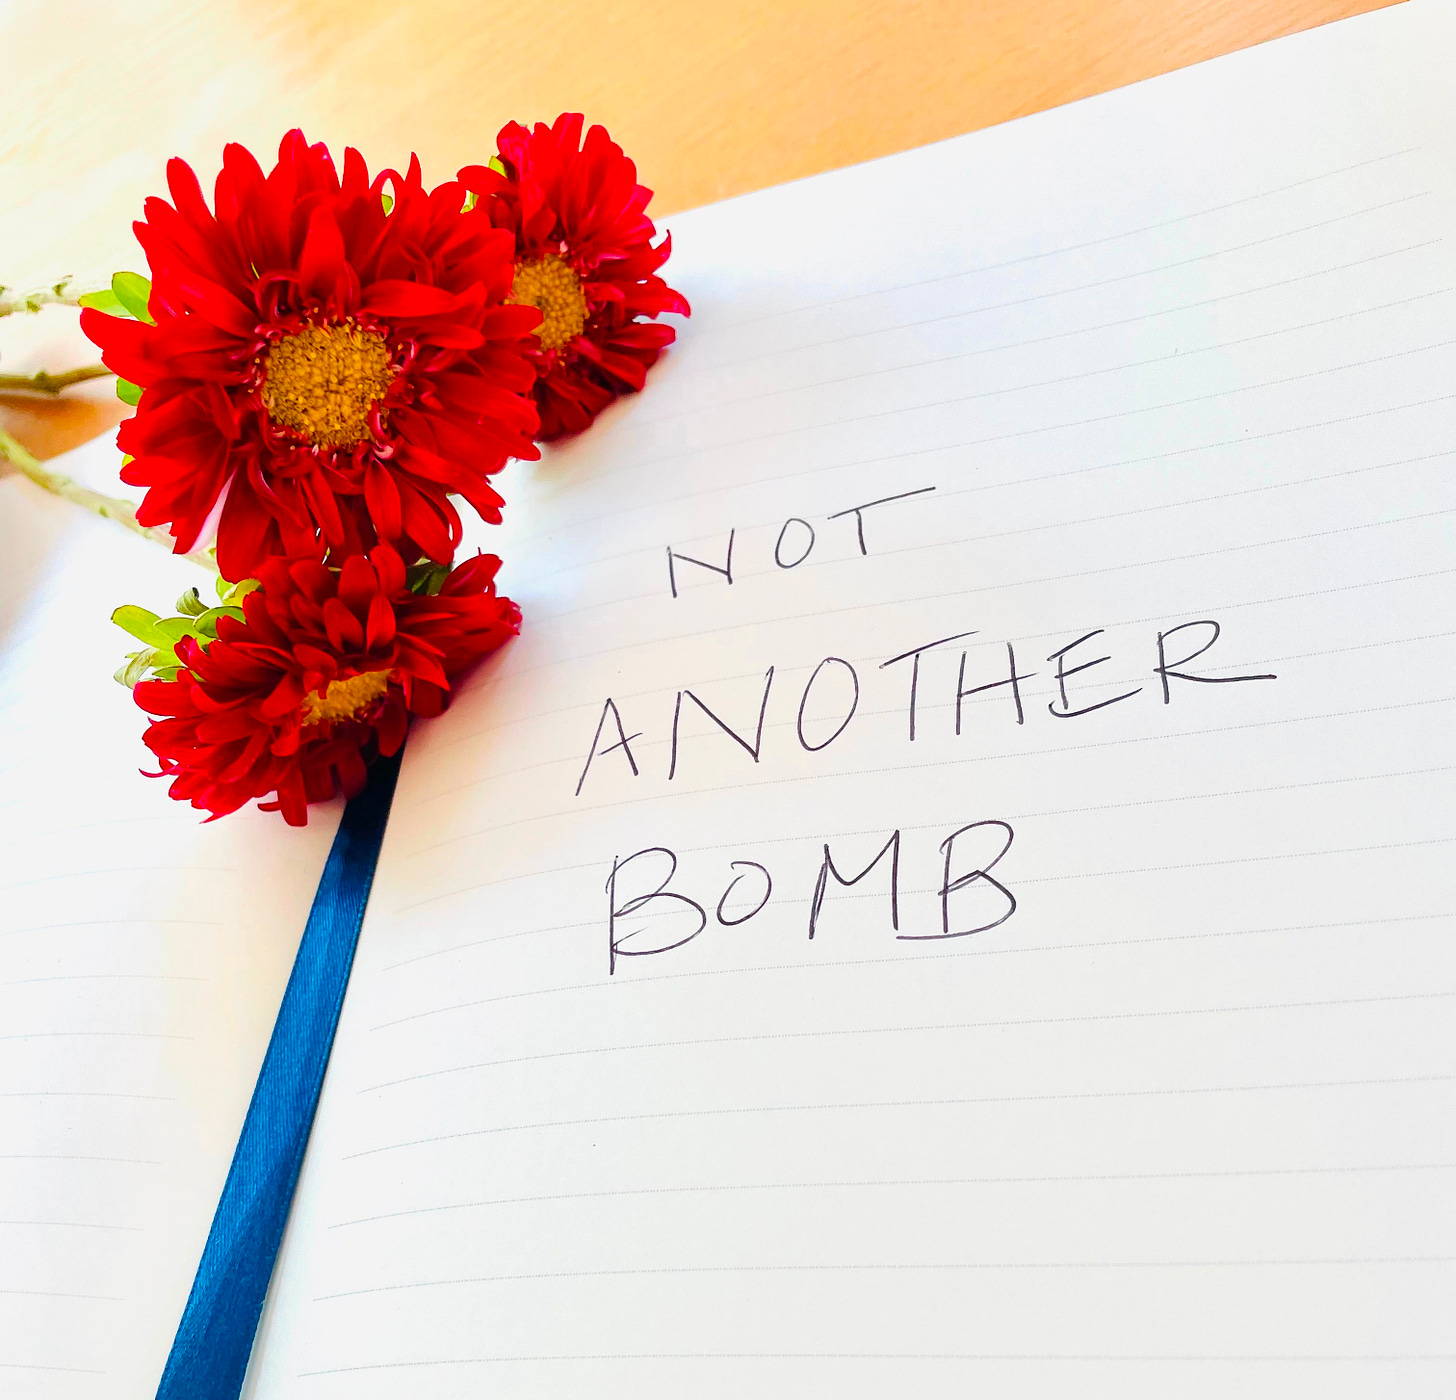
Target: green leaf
(140, 623)
(128, 393)
(497, 164)
(426, 578)
(471, 200)
(138, 663)
(133, 291)
(105, 300)
(206, 623)
(172, 629)
(191, 604)
(387, 202)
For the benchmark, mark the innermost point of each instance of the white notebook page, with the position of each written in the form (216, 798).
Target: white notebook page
(1179, 1123)
(142, 958)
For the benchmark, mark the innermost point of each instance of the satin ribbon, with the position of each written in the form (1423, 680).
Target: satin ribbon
(209, 1356)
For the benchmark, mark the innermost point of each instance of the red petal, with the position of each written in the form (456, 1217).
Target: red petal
(382, 497)
(400, 298)
(344, 629)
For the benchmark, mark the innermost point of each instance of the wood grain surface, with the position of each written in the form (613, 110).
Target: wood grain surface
(712, 99)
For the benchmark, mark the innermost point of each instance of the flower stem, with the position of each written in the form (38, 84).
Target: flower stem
(44, 382)
(123, 512)
(57, 294)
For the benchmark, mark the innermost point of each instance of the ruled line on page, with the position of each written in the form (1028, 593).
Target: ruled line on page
(72, 1225)
(58, 1370)
(1079, 1096)
(84, 1094)
(849, 420)
(48, 1293)
(114, 870)
(958, 1102)
(111, 922)
(718, 368)
(875, 1183)
(1075, 247)
(75, 1157)
(104, 977)
(1016, 950)
(902, 1266)
(1317, 852)
(95, 1035)
(718, 1356)
(182, 819)
(958, 356)
(620, 430)
(902, 959)
(649, 979)
(39, 757)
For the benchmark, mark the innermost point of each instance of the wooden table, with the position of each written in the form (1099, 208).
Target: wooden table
(712, 99)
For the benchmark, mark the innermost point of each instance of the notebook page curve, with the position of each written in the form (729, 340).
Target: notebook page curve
(952, 885)
(142, 958)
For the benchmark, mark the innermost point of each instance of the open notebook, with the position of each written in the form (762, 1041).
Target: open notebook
(951, 892)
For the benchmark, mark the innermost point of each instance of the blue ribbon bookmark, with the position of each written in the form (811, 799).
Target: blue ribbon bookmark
(209, 1356)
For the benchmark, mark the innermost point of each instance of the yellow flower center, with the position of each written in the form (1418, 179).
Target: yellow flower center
(345, 699)
(324, 380)
(553, 288)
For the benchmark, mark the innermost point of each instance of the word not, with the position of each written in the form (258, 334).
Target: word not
(836, 683)
(970, 852)
(794, 545)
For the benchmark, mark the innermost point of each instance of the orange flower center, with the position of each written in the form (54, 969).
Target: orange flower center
(324, 382)
(345, 699)
(551, 285)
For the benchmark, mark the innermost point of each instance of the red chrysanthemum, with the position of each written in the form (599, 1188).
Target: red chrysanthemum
(318, 678)
(335, 362)
(584, 257)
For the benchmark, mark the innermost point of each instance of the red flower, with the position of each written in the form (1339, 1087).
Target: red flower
(319, 678)
(335, 368)
(584, 256)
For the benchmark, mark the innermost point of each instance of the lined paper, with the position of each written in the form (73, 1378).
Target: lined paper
(1086, 1034)
(142, 958)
